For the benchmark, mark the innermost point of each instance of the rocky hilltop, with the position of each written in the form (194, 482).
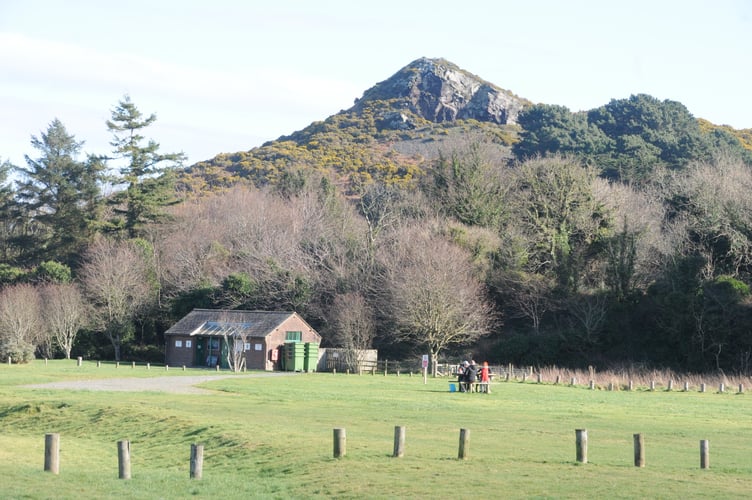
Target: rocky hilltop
(439, 91)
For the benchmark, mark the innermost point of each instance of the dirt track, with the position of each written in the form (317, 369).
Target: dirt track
(176, 384)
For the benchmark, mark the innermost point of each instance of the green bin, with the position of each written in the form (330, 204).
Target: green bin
(311, 356)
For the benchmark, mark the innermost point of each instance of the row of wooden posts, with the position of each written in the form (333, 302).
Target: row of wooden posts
(52, 451)
(52, 457)
(581, 445)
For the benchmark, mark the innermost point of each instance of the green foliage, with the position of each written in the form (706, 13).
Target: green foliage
(53, 272)
(627, 138)
(149, 183)
(18, 350)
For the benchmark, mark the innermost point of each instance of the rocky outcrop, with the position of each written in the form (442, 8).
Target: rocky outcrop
(439, 91)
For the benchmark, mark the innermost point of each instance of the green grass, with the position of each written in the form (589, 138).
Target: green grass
(272, 438)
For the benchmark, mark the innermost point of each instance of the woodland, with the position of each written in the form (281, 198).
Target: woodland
(617, 236)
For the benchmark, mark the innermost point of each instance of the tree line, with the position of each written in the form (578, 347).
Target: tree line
(582, 249)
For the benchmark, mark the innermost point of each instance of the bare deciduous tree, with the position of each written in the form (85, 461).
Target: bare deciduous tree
(19, 322)
(65, 313)
(353, 327)
(435, 297)
(115, 277)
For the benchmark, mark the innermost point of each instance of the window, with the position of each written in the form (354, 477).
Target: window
(293, 336)
(258, 347)
(247, 346)
(178, 343)
(188, 344)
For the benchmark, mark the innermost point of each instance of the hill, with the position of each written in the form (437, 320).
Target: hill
(397, 127)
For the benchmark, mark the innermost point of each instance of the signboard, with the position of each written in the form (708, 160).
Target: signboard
(425, 361)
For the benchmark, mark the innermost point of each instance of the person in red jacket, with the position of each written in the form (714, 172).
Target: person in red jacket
(484, 377)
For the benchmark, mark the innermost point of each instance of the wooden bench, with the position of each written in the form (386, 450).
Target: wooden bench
(484, 387)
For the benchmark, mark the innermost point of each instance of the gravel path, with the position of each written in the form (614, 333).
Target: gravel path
(176, 385)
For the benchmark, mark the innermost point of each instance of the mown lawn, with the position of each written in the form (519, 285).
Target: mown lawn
(273, 438)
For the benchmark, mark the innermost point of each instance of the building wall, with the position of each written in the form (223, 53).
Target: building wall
(180, 350)
(279, 335)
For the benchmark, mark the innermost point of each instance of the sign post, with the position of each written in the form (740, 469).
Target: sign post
(425, 369)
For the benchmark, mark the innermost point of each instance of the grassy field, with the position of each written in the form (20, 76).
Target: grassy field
(272, 438)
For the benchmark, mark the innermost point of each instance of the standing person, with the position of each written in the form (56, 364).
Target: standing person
(484, 377)
(461, 376)
(471, 373)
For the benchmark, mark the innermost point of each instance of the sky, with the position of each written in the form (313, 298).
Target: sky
(226, 76)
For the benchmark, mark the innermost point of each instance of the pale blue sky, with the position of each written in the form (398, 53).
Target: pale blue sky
(225, 76)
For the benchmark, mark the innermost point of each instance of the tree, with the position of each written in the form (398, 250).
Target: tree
(553, 203)
(65, 313)
(471, 185)
(7, 223)
(352, 319)
(61, 193)
(433, 293)
(116, 278)
(19, 322)
(149, 184)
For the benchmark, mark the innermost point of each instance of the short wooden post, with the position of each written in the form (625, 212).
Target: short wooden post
(581, 442)
(167, 367)
(197, 461)
(117, 364)
(99, 364)
(702, 387)
(148, 366)
(399, 441)
(721, 388)
(124, 459)
(45, 361)
(52, 453)
(540, 378)
(558, 379)
(10, 361)
(133, 364)
(670, 385)
(79, 361)
(639, 450)
(741, 388)
(686, 386)
(610, 386)
(464, 451)
(592, 385)
(652, 385)
(217, 367)
(183, 367)
(630, 386)
(704, 454)
(340, 443)
(573, 381)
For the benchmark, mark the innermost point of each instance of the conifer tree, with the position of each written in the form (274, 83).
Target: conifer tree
(146, 173)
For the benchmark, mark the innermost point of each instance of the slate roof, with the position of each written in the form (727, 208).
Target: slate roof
(216, 322)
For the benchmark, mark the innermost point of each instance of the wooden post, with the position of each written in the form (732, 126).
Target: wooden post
(52, 453)
(610, 386)
(702, 387)
(10, 360)
(704, 454)
(630, 386)
(340, 443)
(167, 367)
(148, 366)
(183, 367)
(117, 364)
(592, 385)
(652, 385)
(45, 361)
(540, 378)
(124, 459)
(639, 450)
(133, 364)
(558, 379)
(399, 441)
(464, 444)
(79, 361)
(573, 381)
(581, 435)
(670, 385)
(721, 388)
(741, 388)
(99, 364)
(197, 461)
(686, 386)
